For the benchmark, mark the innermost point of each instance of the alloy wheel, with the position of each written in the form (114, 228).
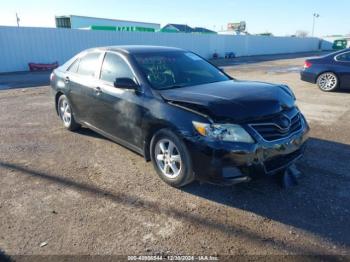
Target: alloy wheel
(327, 81)
(65, 112)
(168, 158)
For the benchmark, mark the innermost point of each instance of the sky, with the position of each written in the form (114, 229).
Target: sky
(280, 17)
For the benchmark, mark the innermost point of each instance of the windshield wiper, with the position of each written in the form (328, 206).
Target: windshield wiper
(173, 87)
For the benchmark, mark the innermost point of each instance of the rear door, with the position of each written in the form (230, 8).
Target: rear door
(82, 78)
(118, 111)
(343, 69)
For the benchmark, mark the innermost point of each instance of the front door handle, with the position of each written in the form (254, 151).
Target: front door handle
(98, 90)
(66, 80)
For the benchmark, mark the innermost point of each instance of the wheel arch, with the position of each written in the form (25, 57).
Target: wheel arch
(151, 131)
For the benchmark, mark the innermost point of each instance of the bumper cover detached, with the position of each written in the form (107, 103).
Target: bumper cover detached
(230, 163)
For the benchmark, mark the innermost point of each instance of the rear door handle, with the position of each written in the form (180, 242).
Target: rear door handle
(66, 80)
(98, 90)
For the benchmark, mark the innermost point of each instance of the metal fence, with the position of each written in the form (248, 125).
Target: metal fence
(18, 46)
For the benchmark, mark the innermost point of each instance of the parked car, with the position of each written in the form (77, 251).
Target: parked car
(329, 72)
(340, 44)
(185, 115)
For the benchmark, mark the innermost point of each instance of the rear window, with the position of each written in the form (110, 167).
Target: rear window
(74, 67)
(344, 57)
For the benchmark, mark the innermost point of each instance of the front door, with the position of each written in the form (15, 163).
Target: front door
(118, 111)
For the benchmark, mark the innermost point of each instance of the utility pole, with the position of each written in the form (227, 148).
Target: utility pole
(315, 15)
(17, 19)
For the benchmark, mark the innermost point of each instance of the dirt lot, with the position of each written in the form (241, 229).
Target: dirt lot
(83, 194)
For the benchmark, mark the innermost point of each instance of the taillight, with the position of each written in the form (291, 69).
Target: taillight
(307, 64)
(52, 76)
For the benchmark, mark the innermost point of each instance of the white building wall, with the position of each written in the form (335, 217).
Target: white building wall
(18, 46)
(83, 22)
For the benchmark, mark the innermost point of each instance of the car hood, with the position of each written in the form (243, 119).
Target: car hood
(233, 100)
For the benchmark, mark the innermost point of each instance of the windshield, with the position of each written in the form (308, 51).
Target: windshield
(165, 70)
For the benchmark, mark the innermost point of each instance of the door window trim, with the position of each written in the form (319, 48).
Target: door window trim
(81, 56)
(125, 60)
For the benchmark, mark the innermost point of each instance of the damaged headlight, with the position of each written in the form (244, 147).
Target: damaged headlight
(223, 132)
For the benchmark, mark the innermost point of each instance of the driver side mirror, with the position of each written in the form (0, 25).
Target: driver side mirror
(125, 83)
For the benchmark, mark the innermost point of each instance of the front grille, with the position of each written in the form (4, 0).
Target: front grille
(279, 127)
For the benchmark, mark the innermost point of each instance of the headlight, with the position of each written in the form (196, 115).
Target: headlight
(223, 132)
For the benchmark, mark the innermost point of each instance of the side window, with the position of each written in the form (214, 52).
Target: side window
(114, 67)
(344, 57)
(74, 67)
(88, 64)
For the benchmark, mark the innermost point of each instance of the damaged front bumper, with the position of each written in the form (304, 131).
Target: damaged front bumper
(231, 162)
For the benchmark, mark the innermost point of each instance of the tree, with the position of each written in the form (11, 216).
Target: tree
(302, 33)
(265, 34)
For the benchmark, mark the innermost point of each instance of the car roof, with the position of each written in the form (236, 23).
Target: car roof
(330, 55)
(339, 52)
(137, 49)
(128, 49)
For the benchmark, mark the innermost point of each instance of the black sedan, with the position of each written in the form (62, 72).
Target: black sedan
(179, 111)
(329, 72)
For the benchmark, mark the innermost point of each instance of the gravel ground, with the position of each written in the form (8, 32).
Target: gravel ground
(79, 193)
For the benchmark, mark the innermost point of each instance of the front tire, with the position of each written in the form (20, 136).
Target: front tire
(66, 114)
(171, 159)
(328, 82)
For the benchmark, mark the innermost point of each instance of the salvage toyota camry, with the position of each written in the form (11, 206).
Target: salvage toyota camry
(193, 121)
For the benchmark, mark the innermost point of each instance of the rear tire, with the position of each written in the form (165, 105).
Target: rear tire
(328, 82)
(171, 159)
(66, 114)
